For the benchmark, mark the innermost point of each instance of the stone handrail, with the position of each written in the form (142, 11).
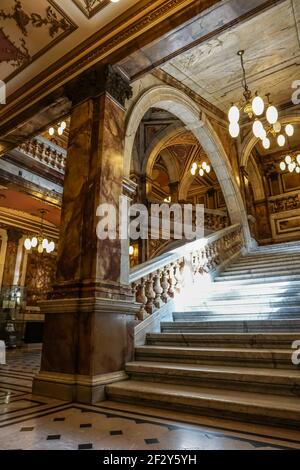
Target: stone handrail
(155, 282)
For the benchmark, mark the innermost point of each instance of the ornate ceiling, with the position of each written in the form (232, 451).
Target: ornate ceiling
(272, 56)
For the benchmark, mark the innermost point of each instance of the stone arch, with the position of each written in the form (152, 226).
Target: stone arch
(192, 116)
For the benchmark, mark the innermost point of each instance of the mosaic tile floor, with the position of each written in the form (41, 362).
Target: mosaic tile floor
(30, 422)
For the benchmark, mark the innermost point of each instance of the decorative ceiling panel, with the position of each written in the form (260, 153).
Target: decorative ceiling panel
(91, 7)
(29, 29)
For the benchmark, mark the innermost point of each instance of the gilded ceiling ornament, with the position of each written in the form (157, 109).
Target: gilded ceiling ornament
(91, 7)
(11, 53)
(23, 19)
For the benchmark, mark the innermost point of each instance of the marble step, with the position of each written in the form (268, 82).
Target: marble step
(261, 279)
(230, 404)
(262, 311)
(273, 358)
(263, 263)
(271, 381)
(261, 299)
(252, 275)
(258, 270)
(223, 340)
(234, 326)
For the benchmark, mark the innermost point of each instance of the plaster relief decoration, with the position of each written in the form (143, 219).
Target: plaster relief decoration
(29, 29)
(91, 7)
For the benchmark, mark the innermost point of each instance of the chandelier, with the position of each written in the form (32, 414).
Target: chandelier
(200, 168)
(291, 162)
(60, 128)
(39, 242)
(255, 107)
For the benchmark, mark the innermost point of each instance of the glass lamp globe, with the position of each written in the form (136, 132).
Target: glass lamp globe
(34, 242)
(291, 168)
(258, 129)
(204, 165)
(60, 131)
(289, 130)
(45, 243)
(266, 143)
(281, 140)
(234, 129)
(272, 115)
(201, 172)
(298, 159)
(297, 169)
(282, 166)
(51, 131)
(234, 114)
(258, 106)
(263, 134)
(193, 171)
(207, 168)
(277, 127)
(63, 125)
(288, 159)
(27, 244)
(51, 246)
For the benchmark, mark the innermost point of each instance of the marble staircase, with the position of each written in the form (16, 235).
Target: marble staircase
(228, 354)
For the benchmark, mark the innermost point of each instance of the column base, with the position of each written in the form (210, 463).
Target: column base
(74, 388)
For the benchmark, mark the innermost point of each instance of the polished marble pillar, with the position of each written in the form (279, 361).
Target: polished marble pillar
(89, 322)
(13, 238)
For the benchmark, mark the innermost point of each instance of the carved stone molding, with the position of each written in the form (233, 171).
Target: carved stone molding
(98, 80)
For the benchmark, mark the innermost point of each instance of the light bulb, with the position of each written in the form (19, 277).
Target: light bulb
(258, 106)
(60, 131)
(298, 159)
(277, 127)
(257, 128)
(27, 244)
(288, 159)
(204, 165)
(114, 1)
(263, 135)
(281, 140)
(207, 168)
(63, 125)
(289, 130)
(45, 243)
(40, 248)
(51, 131)
(272, 115)
(194, 165)
(193, 171)
(291, 168)
(234, 129)
(34, 242)
(266, 143)
(282, 166)
(297, 169)
(234, 114)
(201, 172)
(131, 250)
(48, 249)
(51, 246)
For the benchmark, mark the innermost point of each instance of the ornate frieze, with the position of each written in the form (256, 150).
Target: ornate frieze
(98, 80)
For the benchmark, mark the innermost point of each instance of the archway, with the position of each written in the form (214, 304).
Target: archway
(195, 120)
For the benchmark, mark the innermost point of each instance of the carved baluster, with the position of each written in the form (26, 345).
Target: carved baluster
(165, 285)
(141, 298)
(178, 276)
(172, 281)
(150, 294)
(157, 289)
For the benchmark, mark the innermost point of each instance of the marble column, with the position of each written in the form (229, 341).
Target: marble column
(13, 239)
(89, 323)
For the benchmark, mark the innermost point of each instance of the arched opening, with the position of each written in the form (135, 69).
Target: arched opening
(194, 119)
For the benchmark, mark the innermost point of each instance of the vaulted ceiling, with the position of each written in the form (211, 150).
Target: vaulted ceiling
(271, 41)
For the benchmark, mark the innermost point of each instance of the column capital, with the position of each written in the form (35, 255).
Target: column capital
(95, 82)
